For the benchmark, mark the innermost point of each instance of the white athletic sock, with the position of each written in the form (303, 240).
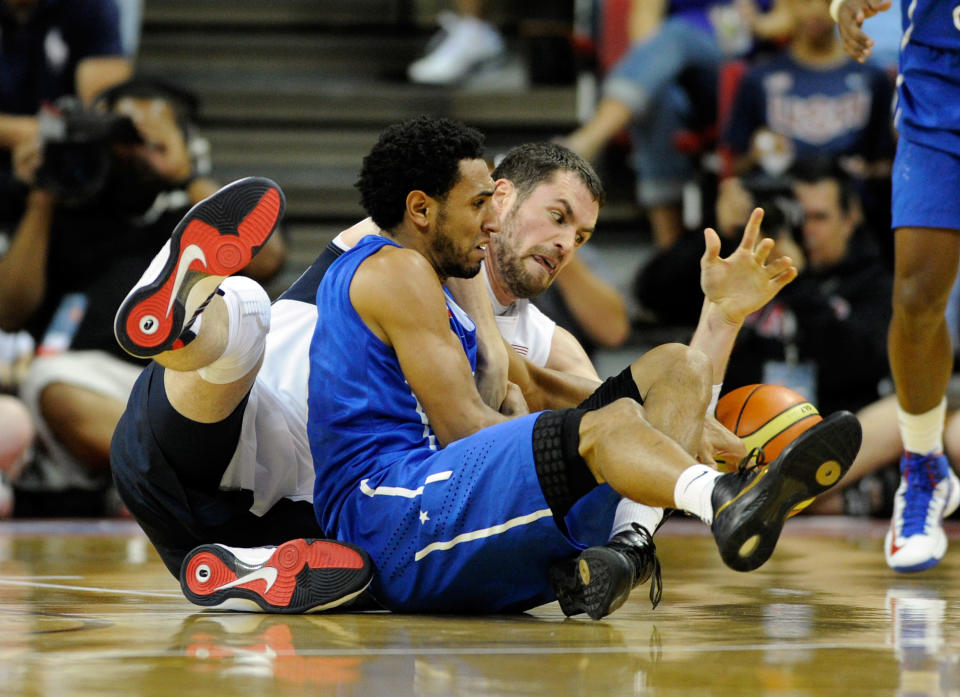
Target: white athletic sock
(693, 490)
(630, 512)
(248, 313)
(923, 433)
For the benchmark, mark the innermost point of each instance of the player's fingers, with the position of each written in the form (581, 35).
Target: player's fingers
(711, 241)
(762, 251)
(782, 279)
(751, 232)
(879, 5)
(778, 266)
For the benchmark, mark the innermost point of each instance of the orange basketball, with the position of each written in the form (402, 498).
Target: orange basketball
(766, 416)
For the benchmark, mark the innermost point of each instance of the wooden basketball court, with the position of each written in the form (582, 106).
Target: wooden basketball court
(88, 609)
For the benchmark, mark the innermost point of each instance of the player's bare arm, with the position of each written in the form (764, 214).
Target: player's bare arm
(492, 362)
(544, 388)
(399, 297)
(850, 16)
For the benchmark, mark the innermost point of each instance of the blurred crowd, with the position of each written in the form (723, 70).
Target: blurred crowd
(713, 106)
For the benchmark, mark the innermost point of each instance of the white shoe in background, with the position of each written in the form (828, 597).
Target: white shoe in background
(467, 44)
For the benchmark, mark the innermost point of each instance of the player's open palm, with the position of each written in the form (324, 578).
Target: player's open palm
(747, 279)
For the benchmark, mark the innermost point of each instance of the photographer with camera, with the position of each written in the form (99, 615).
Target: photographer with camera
(825, 334)
(107, 185)
(51, 48)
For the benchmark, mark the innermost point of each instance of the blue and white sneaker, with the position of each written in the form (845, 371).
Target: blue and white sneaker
(929, 491)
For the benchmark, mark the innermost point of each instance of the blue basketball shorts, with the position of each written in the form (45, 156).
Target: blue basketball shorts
(467, 529)
(925, 182)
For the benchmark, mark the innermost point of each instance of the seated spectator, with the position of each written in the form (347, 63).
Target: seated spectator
(465, 43)
(51, 48)
(16, 436)
(78, 245)
(825, 334)
(813, 100)
(666, 81)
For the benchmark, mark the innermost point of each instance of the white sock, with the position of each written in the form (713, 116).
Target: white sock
(630, 512)
(923, 433)
(693, 490)
(248, 313)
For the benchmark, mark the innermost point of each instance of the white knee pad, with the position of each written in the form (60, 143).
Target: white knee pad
(248, 310)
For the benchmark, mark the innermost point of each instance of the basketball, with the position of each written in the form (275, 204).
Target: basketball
(766, 416)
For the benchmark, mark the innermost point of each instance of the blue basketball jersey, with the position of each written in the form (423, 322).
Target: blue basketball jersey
(928, 94)
(934, 23)
(361, 414)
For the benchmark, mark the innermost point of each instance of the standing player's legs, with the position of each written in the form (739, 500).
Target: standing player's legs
(926, 217)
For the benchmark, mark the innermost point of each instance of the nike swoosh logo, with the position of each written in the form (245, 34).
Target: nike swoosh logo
(267, 573)
(189, 255)
(702, 474)
(894, 547)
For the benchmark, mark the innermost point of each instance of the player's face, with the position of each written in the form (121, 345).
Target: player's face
(465, 221)
(540, 234)
(826, 227)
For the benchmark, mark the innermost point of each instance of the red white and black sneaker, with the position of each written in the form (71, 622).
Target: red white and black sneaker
(216, 238)
(299, 576)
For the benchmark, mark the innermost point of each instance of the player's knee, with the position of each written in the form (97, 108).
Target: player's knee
(919, 295)
(689, 369)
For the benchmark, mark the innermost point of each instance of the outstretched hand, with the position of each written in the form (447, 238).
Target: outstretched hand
(850, 17)
(746, 280)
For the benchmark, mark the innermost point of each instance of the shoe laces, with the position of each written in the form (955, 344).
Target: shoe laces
(748, 466)
(646, 553)
(921, 473)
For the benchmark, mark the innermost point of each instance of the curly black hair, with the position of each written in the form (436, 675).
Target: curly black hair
(422, 153)
(529, 165)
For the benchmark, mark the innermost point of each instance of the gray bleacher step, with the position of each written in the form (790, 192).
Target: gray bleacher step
(257, 14)
(274, 54)
(336, 103)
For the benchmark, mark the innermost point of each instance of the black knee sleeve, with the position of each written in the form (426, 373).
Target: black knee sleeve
(198, 452)
(612, 389)
(563, 473)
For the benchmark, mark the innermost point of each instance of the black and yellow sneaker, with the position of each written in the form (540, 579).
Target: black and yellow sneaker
(600, 579)
(751, 504)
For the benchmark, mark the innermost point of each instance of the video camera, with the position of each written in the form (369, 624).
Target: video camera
(774, 194)
(77, 149)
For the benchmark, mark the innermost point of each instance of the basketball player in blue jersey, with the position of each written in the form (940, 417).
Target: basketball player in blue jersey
(926, 223)
(464, 508)
(271, 396)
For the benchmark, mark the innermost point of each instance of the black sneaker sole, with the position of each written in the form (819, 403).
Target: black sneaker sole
(596, 582)
(748, 526)
(215, 239)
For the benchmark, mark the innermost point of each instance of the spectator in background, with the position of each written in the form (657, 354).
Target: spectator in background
(810, 101)
(465, 43)
(16, 435)
(825, 334)
(51, 48)
(666, 81)
(76, 249)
